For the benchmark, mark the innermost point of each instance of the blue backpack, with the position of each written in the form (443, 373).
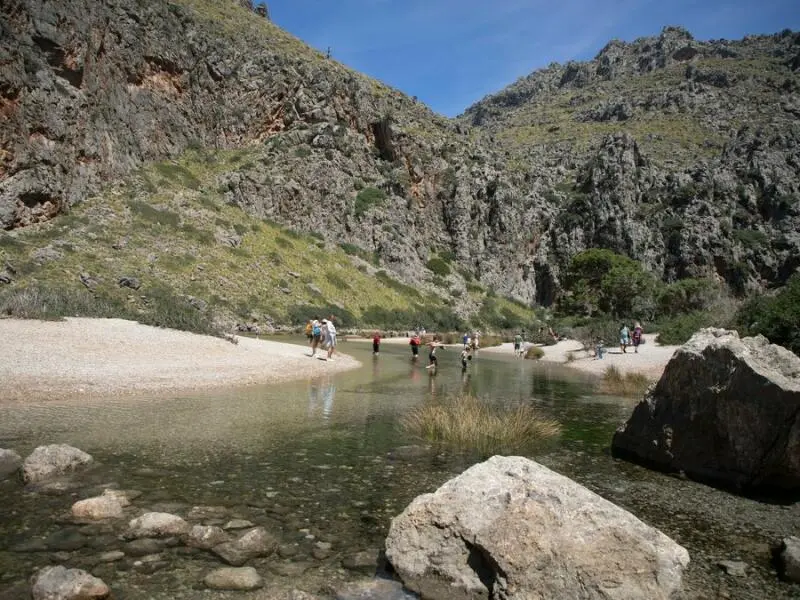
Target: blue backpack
(316, 330)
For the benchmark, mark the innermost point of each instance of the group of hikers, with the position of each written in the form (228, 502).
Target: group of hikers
(629, 337)
(471, 342)
(321, 334)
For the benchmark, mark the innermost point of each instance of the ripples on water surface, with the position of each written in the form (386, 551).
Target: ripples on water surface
(320, 458)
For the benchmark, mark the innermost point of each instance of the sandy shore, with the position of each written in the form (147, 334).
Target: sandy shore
(650, 360)
(55, 359)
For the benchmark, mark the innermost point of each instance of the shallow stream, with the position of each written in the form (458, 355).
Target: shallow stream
(325, 465)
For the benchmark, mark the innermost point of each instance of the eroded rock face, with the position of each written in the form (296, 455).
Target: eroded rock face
(789, 559)
(60, 583)
(725, 410)
(53, 460)
(510, 528)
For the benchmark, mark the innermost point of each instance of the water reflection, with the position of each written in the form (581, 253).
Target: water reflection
(321, 394)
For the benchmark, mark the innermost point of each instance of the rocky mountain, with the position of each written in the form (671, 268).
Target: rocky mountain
(682, 154)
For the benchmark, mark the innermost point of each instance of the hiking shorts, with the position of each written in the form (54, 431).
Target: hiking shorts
(331, 340)
(415, 350)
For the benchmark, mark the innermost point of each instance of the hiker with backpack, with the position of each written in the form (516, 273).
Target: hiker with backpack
(316, 335)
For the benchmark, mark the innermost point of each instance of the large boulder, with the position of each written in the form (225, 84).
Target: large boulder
(53, 460)
(724, 411)
(510, 528)
(60, 583)
(10, 462)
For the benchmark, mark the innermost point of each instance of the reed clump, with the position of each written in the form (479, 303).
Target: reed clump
(629, 384)
(467, 424)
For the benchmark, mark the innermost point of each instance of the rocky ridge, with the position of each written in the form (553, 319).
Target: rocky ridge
(91, 90)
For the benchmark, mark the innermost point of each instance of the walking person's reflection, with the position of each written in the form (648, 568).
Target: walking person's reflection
(328, 393)
(321, 394)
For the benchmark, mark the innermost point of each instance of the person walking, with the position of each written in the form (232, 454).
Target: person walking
(624, 338)
(464, 359)
(465, 339)
(376, 343)
(637, 336)
(331, 338)
(432, 360)
(517, 346)
(316, 335)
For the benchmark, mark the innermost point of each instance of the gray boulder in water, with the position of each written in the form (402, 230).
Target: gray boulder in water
(53, 460)
(724, 411)
(511, 528)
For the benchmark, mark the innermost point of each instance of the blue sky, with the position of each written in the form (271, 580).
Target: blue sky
(451, 53)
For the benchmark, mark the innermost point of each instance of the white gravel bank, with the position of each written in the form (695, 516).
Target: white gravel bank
(53, 359)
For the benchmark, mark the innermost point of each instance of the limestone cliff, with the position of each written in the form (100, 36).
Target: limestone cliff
(680, 153)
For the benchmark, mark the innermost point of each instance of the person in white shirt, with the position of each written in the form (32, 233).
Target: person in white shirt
(331, 338)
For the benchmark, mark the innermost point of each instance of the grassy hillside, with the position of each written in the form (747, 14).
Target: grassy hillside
(207, 266)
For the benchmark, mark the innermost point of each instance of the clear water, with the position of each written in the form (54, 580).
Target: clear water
(325, 461)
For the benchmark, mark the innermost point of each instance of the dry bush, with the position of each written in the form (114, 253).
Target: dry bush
(534, 353)
(630, 384)
(467, 424)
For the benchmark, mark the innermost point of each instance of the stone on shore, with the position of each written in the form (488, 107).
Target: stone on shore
(157, 525)
(724, 411)
(60, 583)
(10, 462)
(511, 528)
(53, 460)
(234, 578)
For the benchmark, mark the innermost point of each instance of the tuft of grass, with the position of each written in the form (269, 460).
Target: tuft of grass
(151, 214)
(467, 424)
(629, 384)
(534, 353)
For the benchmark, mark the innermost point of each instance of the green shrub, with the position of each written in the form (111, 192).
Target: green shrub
(601, 281)
(162, 308)
(337, 281)
(688, 295)
(178, 174)
(775, 317)
(678, 329)
(438, 267)
(366, 199)
(751, 238)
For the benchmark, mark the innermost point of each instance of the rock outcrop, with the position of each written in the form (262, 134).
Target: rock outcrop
(726, 410)
(157, 525)
(788, 558)
(50, 461)
(510, 528)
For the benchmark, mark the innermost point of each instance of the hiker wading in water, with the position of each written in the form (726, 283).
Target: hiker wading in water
(432, 360)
